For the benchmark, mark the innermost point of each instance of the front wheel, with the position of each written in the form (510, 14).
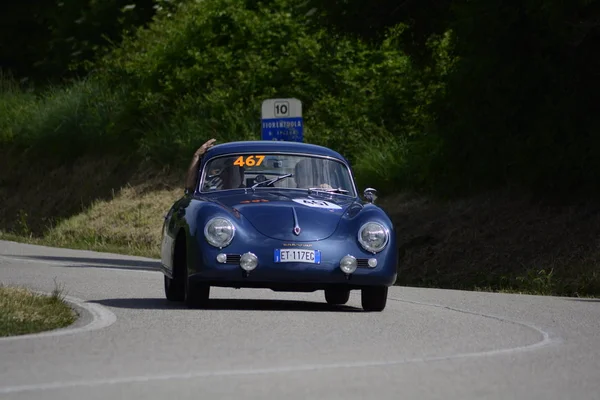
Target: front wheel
(337, 296)
(174, 288)
(196, 294)
(374, 298)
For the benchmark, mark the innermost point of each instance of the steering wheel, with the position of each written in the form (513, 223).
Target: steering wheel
(262, 178)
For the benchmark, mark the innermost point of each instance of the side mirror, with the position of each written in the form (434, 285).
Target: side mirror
(370, 194)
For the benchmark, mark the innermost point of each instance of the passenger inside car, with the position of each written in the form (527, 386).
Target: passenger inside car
(306, 175)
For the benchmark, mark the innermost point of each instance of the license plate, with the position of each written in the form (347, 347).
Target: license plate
(297, 255)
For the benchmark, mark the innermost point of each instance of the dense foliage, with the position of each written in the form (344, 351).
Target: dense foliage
(521, 104)
(445, 95)
(52, 40)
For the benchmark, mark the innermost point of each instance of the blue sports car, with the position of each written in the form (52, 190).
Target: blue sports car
(279, 215)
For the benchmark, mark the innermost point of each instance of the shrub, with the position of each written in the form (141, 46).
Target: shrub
(204, 70)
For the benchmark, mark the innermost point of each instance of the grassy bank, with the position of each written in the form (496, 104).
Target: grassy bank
(494, 241)
(23, 312)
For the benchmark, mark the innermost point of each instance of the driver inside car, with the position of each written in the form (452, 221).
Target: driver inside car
(232, 177)
(306, 174)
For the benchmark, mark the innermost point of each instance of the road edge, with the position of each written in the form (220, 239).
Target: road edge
(90, 317)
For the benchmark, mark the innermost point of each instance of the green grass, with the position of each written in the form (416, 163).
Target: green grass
(63, 122)
(23, 312)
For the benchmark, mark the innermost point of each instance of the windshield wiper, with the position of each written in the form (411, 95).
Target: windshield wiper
(270, 181)
(328, 190)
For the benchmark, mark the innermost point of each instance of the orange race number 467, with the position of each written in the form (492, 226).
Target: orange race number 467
(249, 161)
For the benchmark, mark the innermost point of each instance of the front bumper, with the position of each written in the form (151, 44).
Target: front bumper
(293, 275)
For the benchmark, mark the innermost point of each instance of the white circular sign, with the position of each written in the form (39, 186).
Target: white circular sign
(317, 203)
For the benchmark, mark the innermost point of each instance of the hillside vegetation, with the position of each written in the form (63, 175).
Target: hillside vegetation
(446, 98)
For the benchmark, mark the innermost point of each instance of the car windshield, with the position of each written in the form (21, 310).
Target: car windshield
(246, 170)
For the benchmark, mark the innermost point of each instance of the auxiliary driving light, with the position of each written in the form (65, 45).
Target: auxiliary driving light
(222, 258)
(372, 262)
(248, 261)
(348, 264)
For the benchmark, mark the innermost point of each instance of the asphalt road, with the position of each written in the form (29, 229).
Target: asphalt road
(130, 343)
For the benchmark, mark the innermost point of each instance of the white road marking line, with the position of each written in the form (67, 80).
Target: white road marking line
(545, 341)
(102, 317)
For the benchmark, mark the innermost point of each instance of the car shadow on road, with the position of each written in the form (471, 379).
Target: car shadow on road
(228, 305)
(89, 262)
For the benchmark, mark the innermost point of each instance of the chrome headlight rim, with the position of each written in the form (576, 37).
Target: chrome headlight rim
(365, 245)
(208, 238)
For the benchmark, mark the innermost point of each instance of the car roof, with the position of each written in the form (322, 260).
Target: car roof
(258, 146)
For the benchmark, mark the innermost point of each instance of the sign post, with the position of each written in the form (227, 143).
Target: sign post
(282, 120)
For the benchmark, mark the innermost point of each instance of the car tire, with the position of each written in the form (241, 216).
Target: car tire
(197, 295)
(337, 296)
(174, 288)
(374, 298)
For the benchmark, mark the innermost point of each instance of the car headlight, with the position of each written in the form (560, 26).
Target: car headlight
(219, 232)
(373, 237)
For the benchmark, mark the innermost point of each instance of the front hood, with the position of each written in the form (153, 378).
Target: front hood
(277, 214)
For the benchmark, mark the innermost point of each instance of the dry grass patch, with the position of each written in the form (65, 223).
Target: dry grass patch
(131, 222)
(102, 204)
(38, 195)
(23, 312)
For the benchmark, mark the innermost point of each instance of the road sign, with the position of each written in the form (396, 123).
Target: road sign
(282, 120)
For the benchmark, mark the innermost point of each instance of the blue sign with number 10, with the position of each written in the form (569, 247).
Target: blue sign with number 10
(282, 120)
